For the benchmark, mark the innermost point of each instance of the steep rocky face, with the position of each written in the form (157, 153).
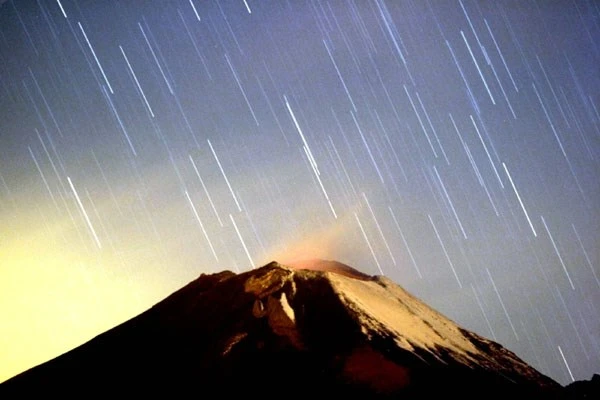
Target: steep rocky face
(317, 328)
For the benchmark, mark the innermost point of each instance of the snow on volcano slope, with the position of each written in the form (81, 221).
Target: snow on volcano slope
(317, 327)
(385, 309)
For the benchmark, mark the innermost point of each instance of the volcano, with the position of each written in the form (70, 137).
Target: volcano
(314, 328)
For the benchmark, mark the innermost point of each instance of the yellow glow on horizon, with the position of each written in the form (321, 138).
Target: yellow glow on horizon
(53, 299)
(58, 289)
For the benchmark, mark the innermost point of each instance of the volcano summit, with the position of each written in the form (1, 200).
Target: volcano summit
(312, 328)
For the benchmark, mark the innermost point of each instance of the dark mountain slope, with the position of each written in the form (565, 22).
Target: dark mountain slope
(318, 328)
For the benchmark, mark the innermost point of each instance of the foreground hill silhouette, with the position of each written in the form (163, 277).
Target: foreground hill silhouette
(317, 328)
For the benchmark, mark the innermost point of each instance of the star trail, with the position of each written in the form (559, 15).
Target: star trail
(453, 146)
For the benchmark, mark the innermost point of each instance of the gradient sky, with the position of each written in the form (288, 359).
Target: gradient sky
(451, 145)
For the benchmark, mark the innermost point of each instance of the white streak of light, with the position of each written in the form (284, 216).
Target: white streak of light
(156, 59)
(85, 214)
(587, 258)
(224, 176)
(201, 225)
(471, 25)
(384, 17)
(420, 121)
(478, 69)
(487, 152)
(43, 176)
(389, 29)
(450, 201)
(114, 110)
(474, 165)
(566, 364)
(519, 198)
(487, 321)
(195, 11)
(339, 75)
(562, 149)
(137, 82)
(368, 244)
(309, 152)
(342, 164)
(368, 149)
(241, 89)
(95, 58)
(405, 243)
(61, 8)
(501, 87)
(432, 128)
(310, 157)
(481, 182)
(242, 240)
(445, 252)
(311, 160)
(247, 7)
(502, 304)
(320, 183)
(501, 56)
(462, 75)
(557, 252)
(379, 229)
(206, 191)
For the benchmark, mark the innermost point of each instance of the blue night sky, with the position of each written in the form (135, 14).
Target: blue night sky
(453, 146)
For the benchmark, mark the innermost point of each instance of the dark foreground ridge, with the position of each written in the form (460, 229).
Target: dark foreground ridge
(317, 328)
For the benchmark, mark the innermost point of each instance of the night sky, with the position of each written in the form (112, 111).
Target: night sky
(453, 146)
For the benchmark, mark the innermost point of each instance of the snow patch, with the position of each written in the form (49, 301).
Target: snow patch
(287, 309)
(282, 319)
(382, 305)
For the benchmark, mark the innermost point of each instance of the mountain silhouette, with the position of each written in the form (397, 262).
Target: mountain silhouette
(313, 328)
